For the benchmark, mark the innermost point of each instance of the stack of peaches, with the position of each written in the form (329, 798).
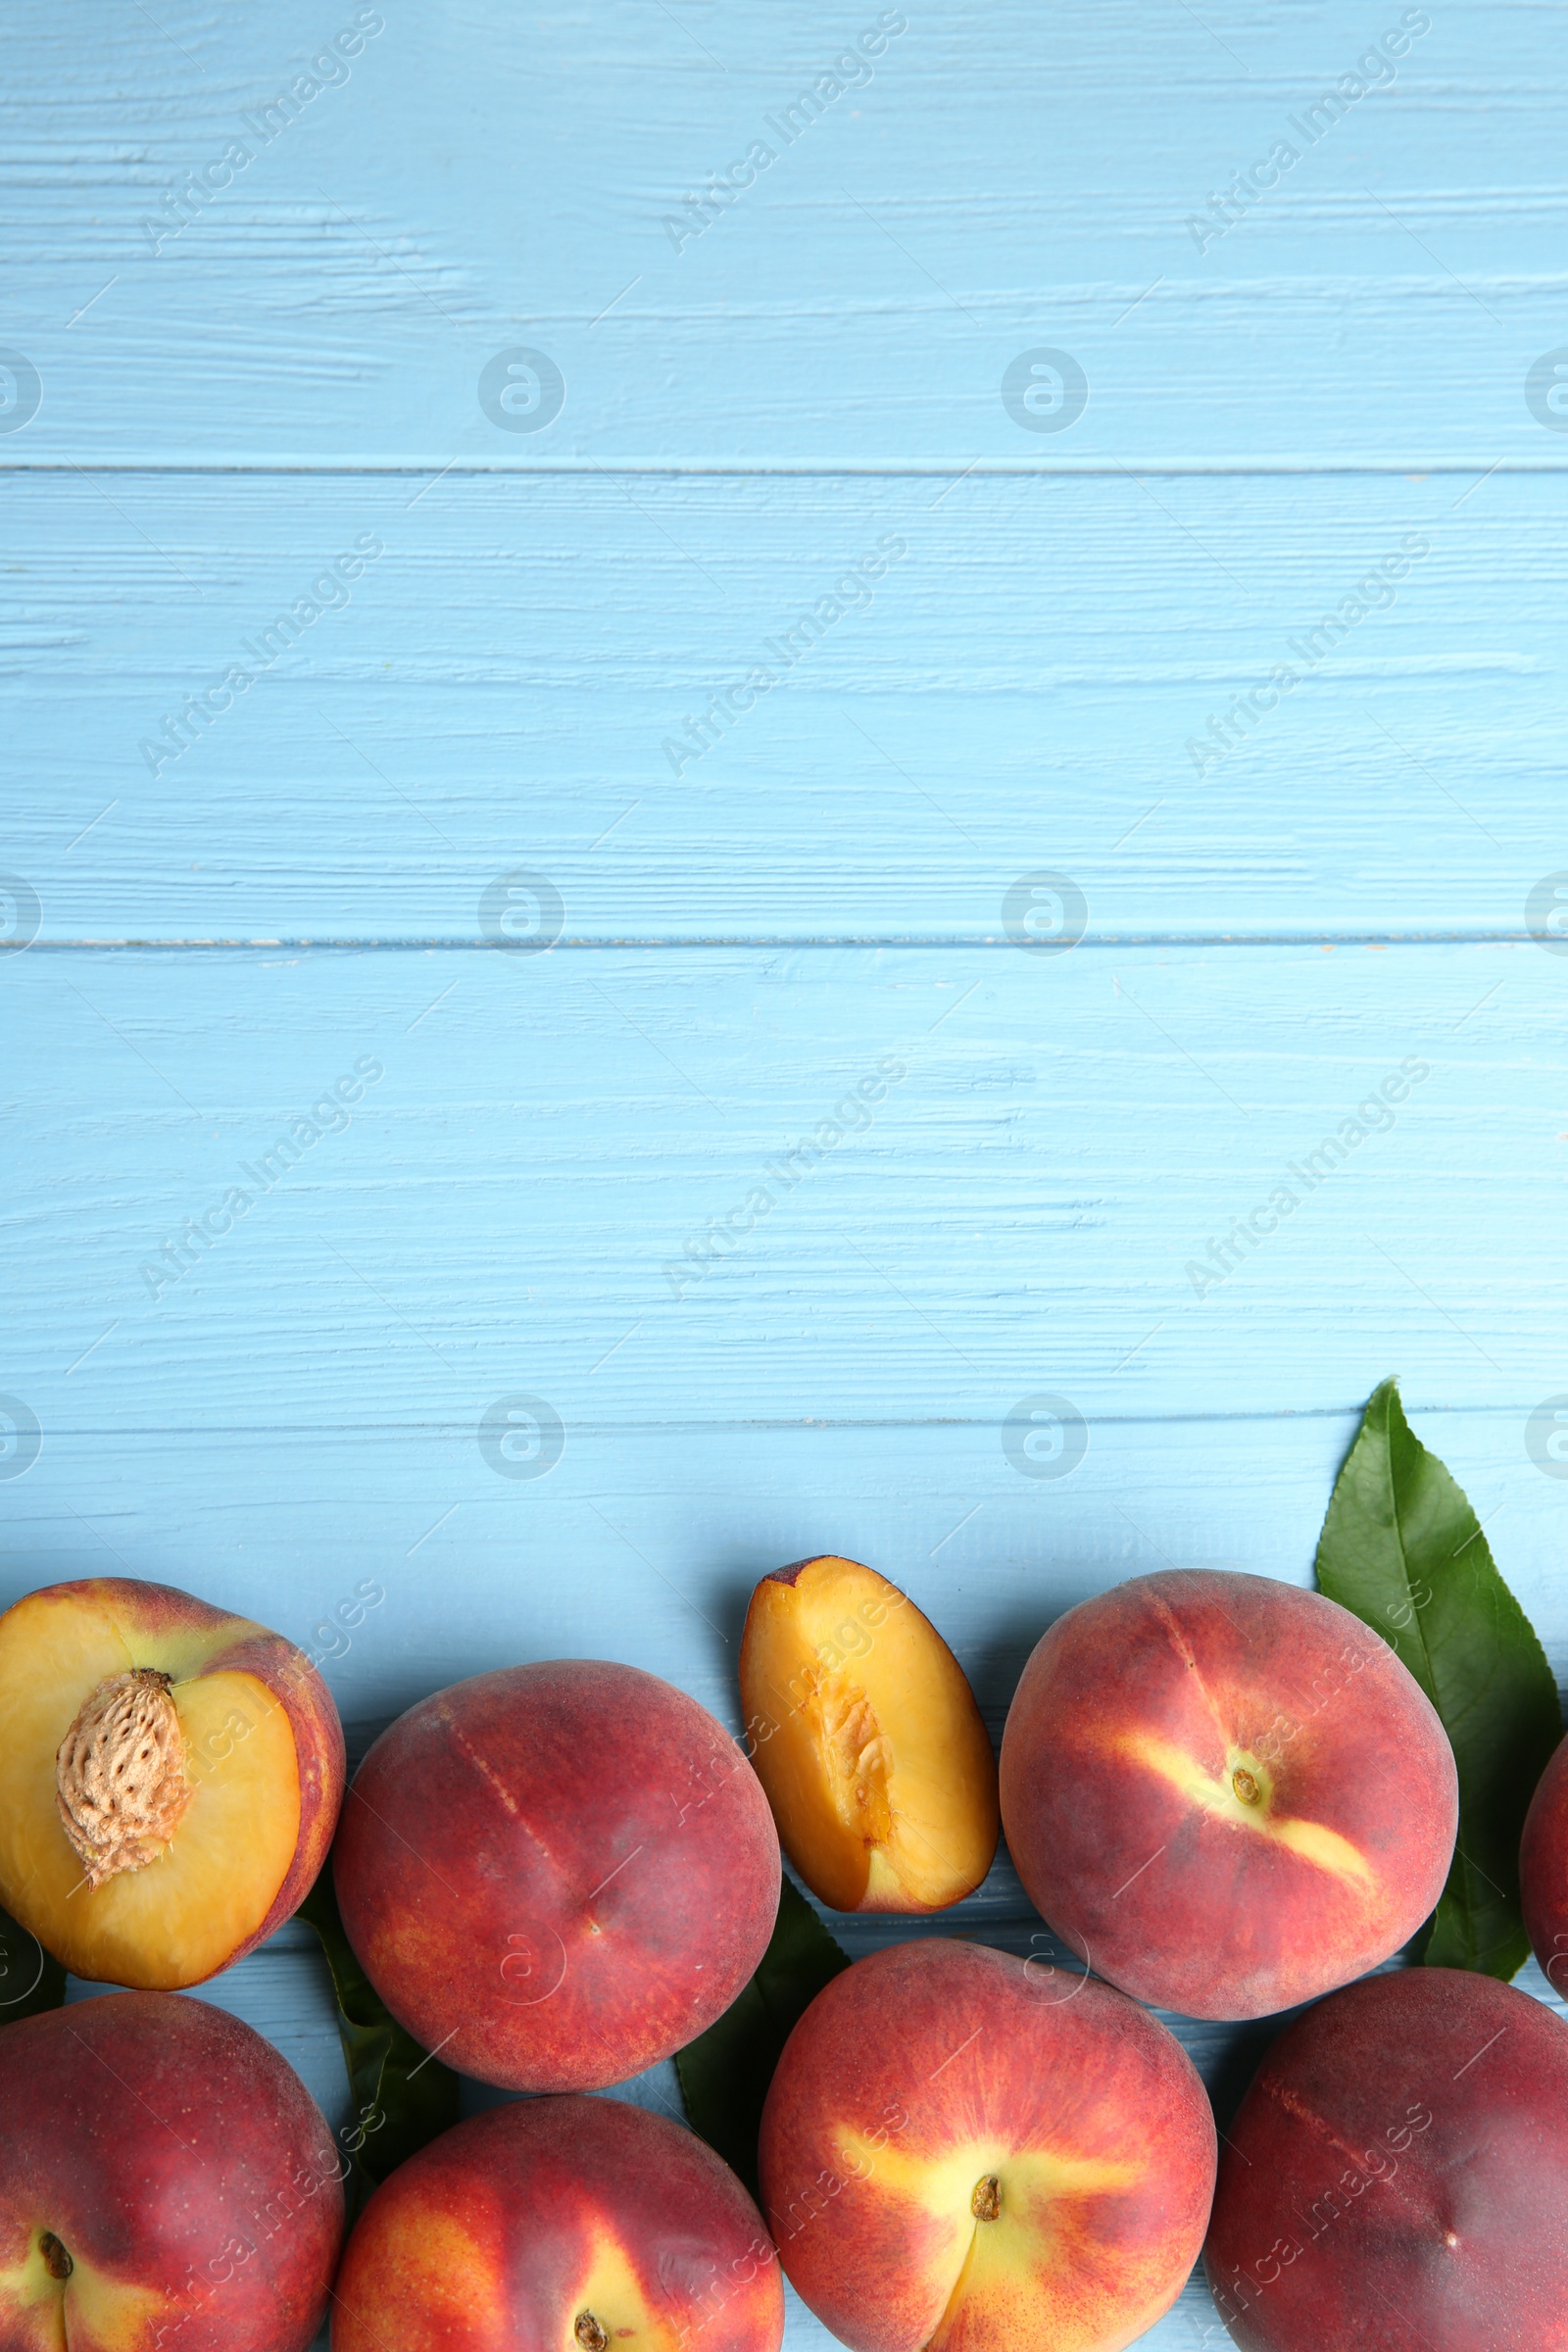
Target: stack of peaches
(1224, 1795)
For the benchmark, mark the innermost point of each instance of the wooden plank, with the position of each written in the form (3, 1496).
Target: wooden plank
(513, 683)
(768, 1186)
(357, 252)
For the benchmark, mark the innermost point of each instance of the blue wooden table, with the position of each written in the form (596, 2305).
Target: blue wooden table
(602, 576)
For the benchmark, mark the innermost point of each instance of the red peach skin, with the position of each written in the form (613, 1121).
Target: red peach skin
(167, 2184)
(559, 1872)
(1398, 2175)
(970, 2152)
(1226, 1793)
(1544, 1871)
(566, 2224)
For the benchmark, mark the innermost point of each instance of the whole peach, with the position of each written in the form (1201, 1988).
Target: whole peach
(567, 2224)
(557, 1874)
(165, 2181)
(1397, 2175)
(1225, 1793)
(970, 2152)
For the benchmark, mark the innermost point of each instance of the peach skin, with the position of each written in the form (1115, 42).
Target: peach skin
(567, 2225)
(967, 2152)
(1225, 1793)
(1544, 1870)
(557, 1874)
(869, 1742)
(170, 1780)
(167, 2184)
(1398, 2175)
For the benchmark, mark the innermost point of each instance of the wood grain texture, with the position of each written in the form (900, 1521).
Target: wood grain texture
(1011, 1172)
(476, 178)
(1029, 685)
(551, 1188)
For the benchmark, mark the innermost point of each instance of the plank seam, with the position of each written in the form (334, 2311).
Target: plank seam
(803, 1423)
(588, 470)
(453, 944)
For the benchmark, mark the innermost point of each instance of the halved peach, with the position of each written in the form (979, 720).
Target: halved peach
(170, 1780)
(867, 1740)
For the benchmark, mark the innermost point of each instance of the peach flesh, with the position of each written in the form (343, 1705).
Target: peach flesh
(867, 1740)
(1225, 1792)
(170, 1780)
(971, 2152)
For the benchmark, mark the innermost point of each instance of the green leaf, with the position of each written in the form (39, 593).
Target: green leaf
(1402, 1548)
(724, 2074)
(30, 1980)
(402, 2097)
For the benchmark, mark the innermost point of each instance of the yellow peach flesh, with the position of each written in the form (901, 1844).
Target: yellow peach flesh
(180, 1917)
(867, 1740)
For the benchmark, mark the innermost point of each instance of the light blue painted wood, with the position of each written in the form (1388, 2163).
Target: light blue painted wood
(1007, 180)
(573, 1177)
(1029, 686)
(299, 1411)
